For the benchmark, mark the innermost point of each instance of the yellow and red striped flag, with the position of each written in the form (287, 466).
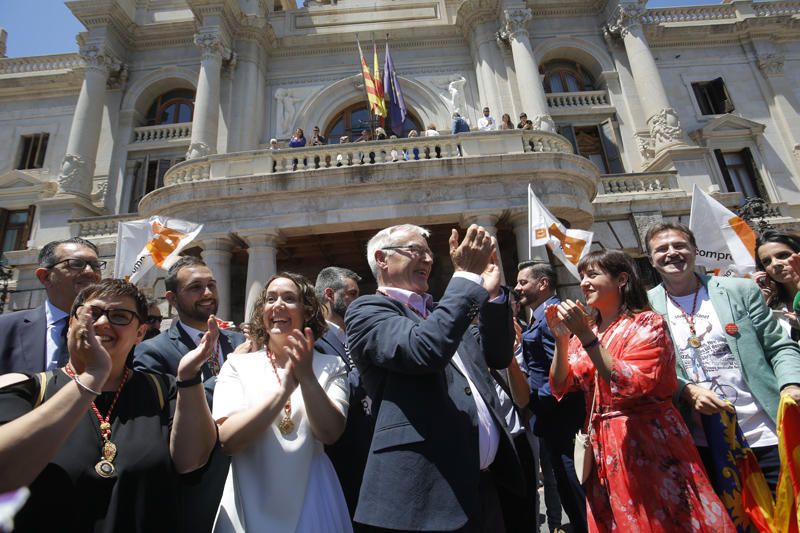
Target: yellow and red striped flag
(380, 109)
(369, 83)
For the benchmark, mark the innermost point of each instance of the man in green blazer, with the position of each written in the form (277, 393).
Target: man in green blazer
(731, 353)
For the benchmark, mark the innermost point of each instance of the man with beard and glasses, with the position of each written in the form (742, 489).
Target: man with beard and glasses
(192, 291)
(336, 288)
(35, 340)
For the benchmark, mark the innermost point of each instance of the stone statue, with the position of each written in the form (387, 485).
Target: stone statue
(454, 97)
(285, 111)
(71, 177)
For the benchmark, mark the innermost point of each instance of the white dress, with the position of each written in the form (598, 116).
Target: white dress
(282, 483)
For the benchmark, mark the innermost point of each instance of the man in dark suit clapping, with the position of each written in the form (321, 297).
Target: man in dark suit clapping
(337, 288)
(192, 291)
(35, 340)
(441, 446)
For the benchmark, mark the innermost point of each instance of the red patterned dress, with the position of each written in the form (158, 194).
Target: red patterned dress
(647, 474)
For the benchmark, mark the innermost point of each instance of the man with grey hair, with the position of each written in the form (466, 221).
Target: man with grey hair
(556, 422)
(34, 340)
(441, 447)
(336, 289)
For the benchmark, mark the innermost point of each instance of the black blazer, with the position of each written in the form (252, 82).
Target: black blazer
(200, 491)
(23, 341)
(349, 453)
(423, 469)
(162, 353)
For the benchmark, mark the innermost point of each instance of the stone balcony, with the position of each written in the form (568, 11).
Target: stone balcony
(354, 186)
(579, 103)
(161, 136)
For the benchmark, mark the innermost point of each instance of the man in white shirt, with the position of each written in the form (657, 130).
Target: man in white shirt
(729, 347)
(441, 446)
(34, 340)
(486, 122)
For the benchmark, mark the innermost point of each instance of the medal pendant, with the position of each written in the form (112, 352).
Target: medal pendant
(286, 425)
(105, 469)
(694, 341)
(109, 451)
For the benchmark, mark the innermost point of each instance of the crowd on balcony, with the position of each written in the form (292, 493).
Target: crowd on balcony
(334, 412)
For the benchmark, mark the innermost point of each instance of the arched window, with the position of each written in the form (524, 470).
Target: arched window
(562, 76)
(173, 107)
(356, 118)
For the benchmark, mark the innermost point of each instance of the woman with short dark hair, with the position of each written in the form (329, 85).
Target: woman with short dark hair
(98, 443)
(647, 474)
(276, 408)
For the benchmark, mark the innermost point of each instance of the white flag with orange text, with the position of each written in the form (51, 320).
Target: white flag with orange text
(569, 245)
(725, 242)
(143, 244)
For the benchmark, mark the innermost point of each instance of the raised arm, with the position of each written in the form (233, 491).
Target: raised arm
(29, 443)
(193, 430)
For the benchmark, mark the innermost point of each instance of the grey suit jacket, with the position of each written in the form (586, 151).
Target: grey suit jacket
(423, 468)
(23, 341)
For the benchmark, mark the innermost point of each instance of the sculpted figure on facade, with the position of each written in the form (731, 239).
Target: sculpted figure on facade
(543, 123)
(73, 175)
(451, 91)
(197, 149)
(665, 128)
(285, 109)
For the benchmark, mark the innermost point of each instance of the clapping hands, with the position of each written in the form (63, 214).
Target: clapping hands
(192, 362)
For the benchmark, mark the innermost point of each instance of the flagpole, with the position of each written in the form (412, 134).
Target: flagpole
(362, 62)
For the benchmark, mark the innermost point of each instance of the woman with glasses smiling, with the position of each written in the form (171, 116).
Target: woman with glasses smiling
(99, 444)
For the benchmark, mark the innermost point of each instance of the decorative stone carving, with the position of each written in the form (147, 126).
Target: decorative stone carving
(197, 149)
(119, 79)
(771, 65)
(451, 91)
(73, 176)
(543, 123)
(286, 109)
(99, 194)
(665, 128)
(97, 58)
(645, 145)
(210, 44)
(516, 21)
(624, 19)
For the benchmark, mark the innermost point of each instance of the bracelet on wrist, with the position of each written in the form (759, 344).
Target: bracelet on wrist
(191, 382)
(84, 387)
(592, 343)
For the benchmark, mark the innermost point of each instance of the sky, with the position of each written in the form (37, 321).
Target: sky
(41, 27)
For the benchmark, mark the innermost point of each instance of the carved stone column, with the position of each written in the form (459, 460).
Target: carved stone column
(205, 123)
(531, 91)
(484, 52)
(787, 110)
(261, 265)
(217, 255)
(77, 167)
(662, 120)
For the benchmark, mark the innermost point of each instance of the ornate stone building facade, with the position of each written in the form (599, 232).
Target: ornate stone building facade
(170, 106)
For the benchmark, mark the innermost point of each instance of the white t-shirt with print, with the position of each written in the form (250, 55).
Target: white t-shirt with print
(713, 366)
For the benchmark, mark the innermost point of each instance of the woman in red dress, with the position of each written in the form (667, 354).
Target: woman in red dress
(647, 474)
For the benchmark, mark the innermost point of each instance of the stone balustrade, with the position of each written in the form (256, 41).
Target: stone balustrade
(772, 9)
(577, 100)
(389, 151)
(104, 226)
(162, 133)
(21, 65)
(644, 182)
(689, 14)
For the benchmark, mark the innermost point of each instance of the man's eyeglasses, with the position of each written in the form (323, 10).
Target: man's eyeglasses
(154, 319)
(80, 264)
(118, 317)
(414, 249)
